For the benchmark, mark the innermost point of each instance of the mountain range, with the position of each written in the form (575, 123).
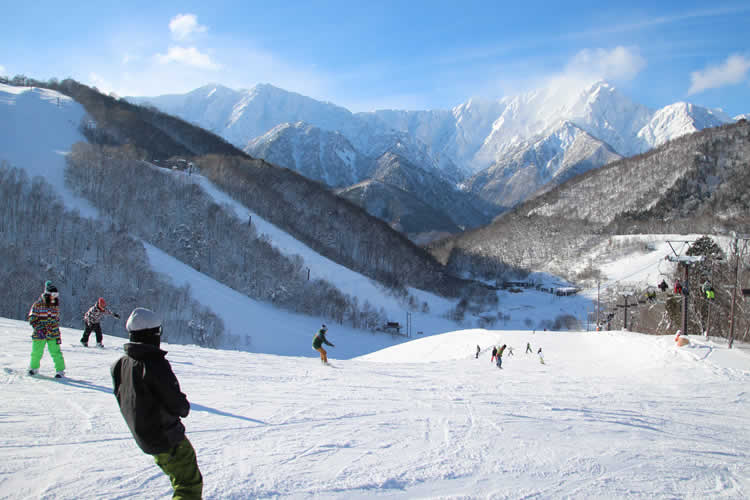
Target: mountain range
(500, 151)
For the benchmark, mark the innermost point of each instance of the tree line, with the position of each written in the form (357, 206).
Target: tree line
(173, 213)
(40, 240)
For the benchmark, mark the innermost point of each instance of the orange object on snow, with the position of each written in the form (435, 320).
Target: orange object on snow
(681, 341)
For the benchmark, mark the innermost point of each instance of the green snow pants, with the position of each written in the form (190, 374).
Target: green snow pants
(181, 465)
(37, 351)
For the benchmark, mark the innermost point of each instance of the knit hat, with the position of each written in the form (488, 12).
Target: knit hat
(324, 328)
(49, 288)
(101, 303)
(144, 326)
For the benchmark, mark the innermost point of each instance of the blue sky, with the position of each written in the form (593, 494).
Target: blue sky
(367, 55)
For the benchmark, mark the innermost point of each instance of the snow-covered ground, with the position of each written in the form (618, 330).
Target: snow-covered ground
(609, 415)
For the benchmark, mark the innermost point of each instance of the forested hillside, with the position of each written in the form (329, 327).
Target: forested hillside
(119, 175)
(695, 184)
(306, 209)
(41, 240)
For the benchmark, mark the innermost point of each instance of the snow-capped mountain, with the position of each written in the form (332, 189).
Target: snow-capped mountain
(544, 161)
(473, 136)
(317, 154)
(432, 189)
(674, 121)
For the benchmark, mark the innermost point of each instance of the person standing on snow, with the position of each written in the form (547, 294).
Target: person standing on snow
(44, 317)
(318, 340)
(478, 351)
(151, 403)
(494, 354)
(541, 358)
(91, 320)
(500, 356)
(528, 348)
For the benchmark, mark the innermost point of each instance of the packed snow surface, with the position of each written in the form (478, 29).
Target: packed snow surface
(608, 415)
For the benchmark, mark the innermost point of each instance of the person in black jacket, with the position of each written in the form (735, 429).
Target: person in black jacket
(151, 403)
(318, 340)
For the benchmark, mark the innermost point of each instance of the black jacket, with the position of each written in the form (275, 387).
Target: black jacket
(149, 397)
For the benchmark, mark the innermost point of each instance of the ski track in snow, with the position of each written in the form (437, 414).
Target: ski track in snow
(609, 415)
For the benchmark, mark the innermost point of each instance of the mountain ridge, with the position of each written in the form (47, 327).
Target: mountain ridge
(473, 137)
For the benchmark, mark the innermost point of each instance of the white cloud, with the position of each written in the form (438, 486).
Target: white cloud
(100, 83)
(189, 56)
(183, 26)
(618, 64)
(732, 71)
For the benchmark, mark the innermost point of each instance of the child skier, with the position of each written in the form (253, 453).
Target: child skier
(318, 340)
(528, 348)
(541, 358)
(494, 354)
(91, 322)
(44, 317)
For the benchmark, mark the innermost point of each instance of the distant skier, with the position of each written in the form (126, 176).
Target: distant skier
(44, 317)
(148, 394)
(528, 348)
(500, 356)
(318, 340)
(92, 319)
(541, 358)
(494, 354)
(510, 351)
(478, 351)
(663, 286)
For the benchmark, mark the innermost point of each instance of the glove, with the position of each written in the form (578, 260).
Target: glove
(116, 315)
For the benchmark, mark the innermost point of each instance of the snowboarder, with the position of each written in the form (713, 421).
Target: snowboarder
(528, 348)
(478, 351)
(151, 403)
(318, 340)
(500, 356)
(44, 317)
(91, 320)
(541, 358)
(494, 354)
